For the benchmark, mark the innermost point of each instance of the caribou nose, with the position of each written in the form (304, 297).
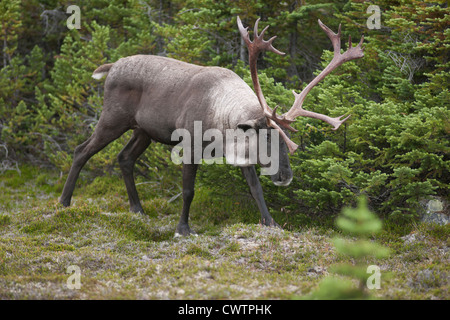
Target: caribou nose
(283, 183)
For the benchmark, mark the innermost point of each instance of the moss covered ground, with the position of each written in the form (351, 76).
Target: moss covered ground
(123, 255)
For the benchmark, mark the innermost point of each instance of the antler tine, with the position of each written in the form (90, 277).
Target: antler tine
(338, 59)
(255, 28)
(292, 146)
(244, 31)
(334, 37)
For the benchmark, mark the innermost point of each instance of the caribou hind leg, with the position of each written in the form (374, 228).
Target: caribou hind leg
(127, 159)
(104, 133)
(257, 193)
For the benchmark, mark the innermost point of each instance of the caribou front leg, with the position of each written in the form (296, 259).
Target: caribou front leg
(189, 173)
(257, 193)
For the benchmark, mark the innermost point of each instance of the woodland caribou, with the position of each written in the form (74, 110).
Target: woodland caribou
(154, 96)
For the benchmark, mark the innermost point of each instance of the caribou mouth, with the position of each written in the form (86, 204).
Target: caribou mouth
(283, 183)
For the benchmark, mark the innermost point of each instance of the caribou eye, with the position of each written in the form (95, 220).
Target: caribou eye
(244, 126)
(250, 124)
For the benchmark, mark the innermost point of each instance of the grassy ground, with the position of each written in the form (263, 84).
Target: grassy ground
(122, 255)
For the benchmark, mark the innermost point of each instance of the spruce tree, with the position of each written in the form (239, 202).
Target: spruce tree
(361, 224)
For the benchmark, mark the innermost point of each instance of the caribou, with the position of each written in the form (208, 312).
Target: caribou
(155, 95)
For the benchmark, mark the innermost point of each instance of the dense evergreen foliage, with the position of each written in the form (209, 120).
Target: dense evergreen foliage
(394, 149)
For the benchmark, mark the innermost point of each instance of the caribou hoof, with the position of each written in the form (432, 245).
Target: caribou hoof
(137, 209)
(64, 203)
(184, 231)
(270, 223)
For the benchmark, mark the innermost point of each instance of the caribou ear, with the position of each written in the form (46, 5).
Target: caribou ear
(249, 124)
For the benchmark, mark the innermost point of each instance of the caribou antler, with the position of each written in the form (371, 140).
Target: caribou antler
(259, 44)
(338, 59)
(255, 47)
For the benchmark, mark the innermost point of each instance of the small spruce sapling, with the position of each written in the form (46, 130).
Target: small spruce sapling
(361, 223)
